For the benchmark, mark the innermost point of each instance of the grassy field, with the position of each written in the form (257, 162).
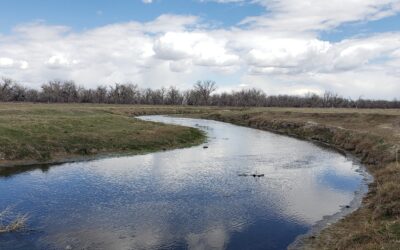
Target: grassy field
(42, 132)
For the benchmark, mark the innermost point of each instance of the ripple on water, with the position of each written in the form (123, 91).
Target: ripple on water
(192, 198)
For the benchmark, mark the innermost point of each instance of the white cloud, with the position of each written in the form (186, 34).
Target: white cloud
(286, 57)
(6, 62)
(170, 23)
(311, 15)
(181, 66)
(59, 61)
(201, 48)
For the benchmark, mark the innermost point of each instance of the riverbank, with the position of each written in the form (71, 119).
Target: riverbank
(42, 132)
(54, 133)
(372, 136)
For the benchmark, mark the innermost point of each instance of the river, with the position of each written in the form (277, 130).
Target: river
(193, 198)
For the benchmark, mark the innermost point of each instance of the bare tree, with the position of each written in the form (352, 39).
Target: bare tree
(201, 94)
(158, 96)
(11, 91)
(51, 91)
(100, 95)
(5, 89)
(173, 96)
(69, 92)
(204, 89)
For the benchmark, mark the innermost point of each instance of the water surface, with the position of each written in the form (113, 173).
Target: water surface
(191, 198)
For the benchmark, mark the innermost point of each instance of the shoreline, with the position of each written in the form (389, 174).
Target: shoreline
(35, 164)
(378, 208)
(344, 229)
(355, 204)
(328, 220)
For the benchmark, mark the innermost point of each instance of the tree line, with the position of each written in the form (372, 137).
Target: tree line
(202, 93)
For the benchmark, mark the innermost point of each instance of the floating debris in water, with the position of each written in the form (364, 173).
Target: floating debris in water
(257, 175)
(253, 175)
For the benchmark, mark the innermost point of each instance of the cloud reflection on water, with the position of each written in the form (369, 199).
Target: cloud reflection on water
(193, 198)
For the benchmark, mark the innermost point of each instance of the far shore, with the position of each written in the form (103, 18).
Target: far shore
(56, 133)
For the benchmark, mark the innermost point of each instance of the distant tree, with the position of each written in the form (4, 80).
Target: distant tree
(158, 96)
(124, 94)
(32, 95)
(204, 89)
(100, 95)
(11, 91)
(173, 96)
(202, 93)
(146, 96)
(51, 91)
(68, 92)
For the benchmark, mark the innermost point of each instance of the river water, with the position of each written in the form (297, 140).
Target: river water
(192, 198)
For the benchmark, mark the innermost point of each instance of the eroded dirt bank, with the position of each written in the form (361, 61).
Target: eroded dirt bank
(371, 135)
(373, 138)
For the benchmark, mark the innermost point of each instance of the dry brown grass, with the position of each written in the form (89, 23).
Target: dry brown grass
(371, 135)
(11, 222)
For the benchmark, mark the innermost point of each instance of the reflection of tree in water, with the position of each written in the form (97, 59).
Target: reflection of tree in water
(11, 171)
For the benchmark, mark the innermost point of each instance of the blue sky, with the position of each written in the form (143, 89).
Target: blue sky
(81, 15)
(280, 46)
(89, 14)
(362, 28)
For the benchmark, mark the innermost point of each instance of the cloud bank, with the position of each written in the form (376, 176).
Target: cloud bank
(279, 52)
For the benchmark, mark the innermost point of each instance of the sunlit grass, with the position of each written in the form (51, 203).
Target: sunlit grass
(44, 132)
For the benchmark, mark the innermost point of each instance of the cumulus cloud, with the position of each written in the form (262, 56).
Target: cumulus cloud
(278, 52)
(201, 48)
(293, 15)
(6, 62)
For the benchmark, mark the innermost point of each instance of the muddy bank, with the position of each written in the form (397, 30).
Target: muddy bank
(374, 224)
(370, 135)
(369, 148)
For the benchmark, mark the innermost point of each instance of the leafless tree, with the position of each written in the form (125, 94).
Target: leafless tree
(173, 96)
(51, 91)
(204, 90)
(11, 91)
(201, 94)
(100, 95)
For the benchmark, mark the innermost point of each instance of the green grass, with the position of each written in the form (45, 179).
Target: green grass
(42, 132)
(45, 132)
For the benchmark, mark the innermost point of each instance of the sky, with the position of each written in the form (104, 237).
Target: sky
(351, 47)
